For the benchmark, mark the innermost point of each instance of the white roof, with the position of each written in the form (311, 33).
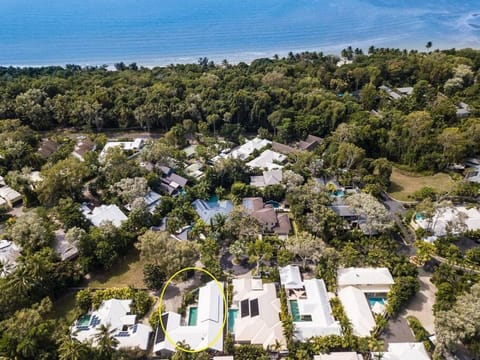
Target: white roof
(209, 324)
(405, 90)
(265, 328)
(317, 305)
(63, 248)
(401, 351)
(114, 313)
(136, 144)
(364, 276)
(190, 150)
(9, 252)
(223, 358)
(445, 216)
(244, 151)
(268, 160)
(357, 310)
(271, 177)
(339, 356)
(35, 176)
(290, 277)
(105, 213)
(9, 194)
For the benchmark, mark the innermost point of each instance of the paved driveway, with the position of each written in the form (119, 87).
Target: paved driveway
(421, 305)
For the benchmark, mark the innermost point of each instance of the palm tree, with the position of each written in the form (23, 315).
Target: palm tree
(105, 341)
(72, 349)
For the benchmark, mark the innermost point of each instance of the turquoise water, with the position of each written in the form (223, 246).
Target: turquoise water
(275, 204)
(213, 201)
(419, 217)
(373, 300)
(338, 193)
(161, 32)
(192, 316)
(232, 314)
(295, 311)
(84, 320)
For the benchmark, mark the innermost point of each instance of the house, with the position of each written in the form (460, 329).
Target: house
(134, 145)
(207, 210)
(172, 183)
(310, 143)
(83, 146)
(391, 94)
(242, 152)
(404, 91)
(151, 200)
(63, 248)
(269, 160)
(190, 151)
(3, 203)
(370, 280)
(271, 177)
(9, 252)
(47, 148)
(357, 310)
(104, 213)
(204, 327)
(195, 170)
(339, 356)
(462, 110)
(309, 305)
(345, 211)
(11, 196)
(123, 326)
(455, 219)
(223, 358)
(266, 215)
(258, 313)
(401, 351)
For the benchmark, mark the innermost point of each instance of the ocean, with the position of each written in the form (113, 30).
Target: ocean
(158, 32)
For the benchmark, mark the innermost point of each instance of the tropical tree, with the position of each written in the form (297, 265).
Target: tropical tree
(306, 246)
(105, 342)
(71, 349)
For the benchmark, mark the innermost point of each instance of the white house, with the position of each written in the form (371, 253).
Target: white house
(208, 210)
(104, 213)
(309, 305)
(457, 219)
(269, 160)
(9, 252)
(369, 280)
(205, 330)
(402, 351)
(242, 152)
(258, 318)
(115, 314)
(339, 356)
(11, 196)
(270, 177)
(134, 145)
(357, 310)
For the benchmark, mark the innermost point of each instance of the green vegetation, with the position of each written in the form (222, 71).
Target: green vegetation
(404, 184)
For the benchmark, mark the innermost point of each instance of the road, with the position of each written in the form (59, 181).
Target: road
(397, 211)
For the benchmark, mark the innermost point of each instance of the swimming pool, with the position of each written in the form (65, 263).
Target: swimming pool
(339, 193)
(295, 311)
(274, 203)
(83, 320)
(419, 217)
(192, 316)
(373, 300)
(232, 314)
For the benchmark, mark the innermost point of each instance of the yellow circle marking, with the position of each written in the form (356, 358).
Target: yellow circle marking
(220, 332)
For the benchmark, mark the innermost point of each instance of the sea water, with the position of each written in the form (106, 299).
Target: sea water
(150, 32)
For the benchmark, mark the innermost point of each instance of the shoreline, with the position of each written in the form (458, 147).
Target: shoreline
(232, 58)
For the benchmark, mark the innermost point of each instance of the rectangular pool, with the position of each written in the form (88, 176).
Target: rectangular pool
(192, 316)
(373, 300)
(232, 314)
(295, 311)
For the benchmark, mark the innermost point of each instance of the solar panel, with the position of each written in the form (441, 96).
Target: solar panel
(160, 334)
(244, 310)
(254, 311)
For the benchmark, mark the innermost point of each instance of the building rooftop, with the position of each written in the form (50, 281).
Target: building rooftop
(83, 146)
(258, 320)
(270, 177)
(190, 150)
(357, 310)
(290, 277)
(104, 213)
(401, 351)
(446, 217)
(208, 328)
(47, 147)
(136, 144)
(9, 252)
(339, 356)
(10, 195)
(62, 247)
(268, 159)
(364, 276)
(115, 314)
(242, 152)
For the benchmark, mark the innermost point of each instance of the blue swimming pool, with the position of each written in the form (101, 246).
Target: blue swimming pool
(192, 316)
(295, 311)
(275, 204)
(419, 217)
(232, 315)
(338, 193)
(373, 300)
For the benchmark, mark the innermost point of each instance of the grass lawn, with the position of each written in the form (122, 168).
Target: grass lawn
(127, 270)
(404, 183)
